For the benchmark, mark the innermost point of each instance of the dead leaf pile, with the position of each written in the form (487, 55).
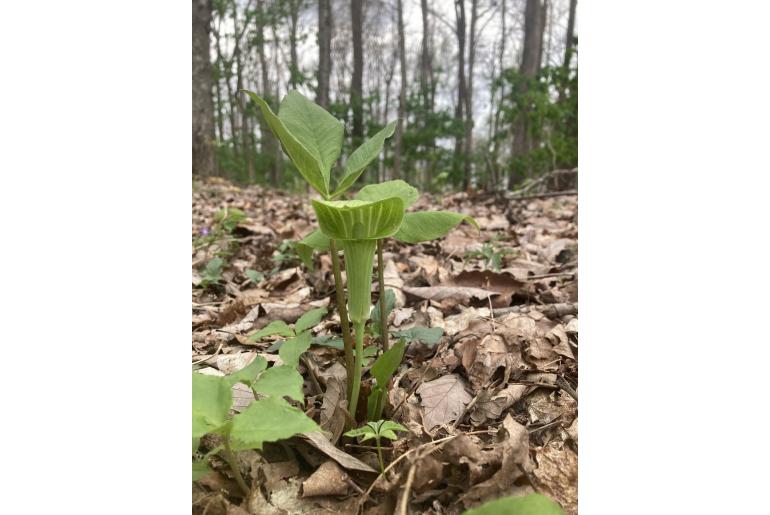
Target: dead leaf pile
(491, 408)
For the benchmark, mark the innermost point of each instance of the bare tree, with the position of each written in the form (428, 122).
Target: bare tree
(397, 173)
(324, 51)
(203, 159)
(570, 34)
(461, 91)
(295, 75)
(469, 98)
(356, 87)
(534, 27)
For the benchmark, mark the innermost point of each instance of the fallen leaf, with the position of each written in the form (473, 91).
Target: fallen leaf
(320, 442)
(328, 479)
(443, 400)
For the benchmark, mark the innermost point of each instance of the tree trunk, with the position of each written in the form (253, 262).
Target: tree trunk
(244, 125)
(426, 87)
(469, 99)
(268, 142)
(203, 158)
(294, 73)
(495, 173)
(534, 26)
(218, 89)
(570, 34)
(397, 173)
(356, 87)
(461, 92)
(324, 52)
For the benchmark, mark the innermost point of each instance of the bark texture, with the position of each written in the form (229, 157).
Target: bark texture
(203, 159)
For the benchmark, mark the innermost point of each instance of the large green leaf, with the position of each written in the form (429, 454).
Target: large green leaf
(306, 162)
(358, 219)
(249, 373)
(383, 190)
(276, 327)
(317, 130)
(268, 420)
(211, 402)
(429, 225)
(292, 349)
(532, 504)
(386, 365)
(280, 381)
(309, 320)
(362, 156)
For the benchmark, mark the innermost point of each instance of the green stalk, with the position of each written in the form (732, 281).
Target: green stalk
(343, 309)
(379, 455)
(381, 279)
(359, 255)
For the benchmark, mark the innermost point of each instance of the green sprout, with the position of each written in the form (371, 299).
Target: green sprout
(378, 430)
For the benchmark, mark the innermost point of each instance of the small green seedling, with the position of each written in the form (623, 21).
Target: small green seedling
(300, 336)
(225, 222)
(254, 276)
(532, 504)
(212, 273)
(286, 253)
(268, 419)
(378, 430)
(492, 254)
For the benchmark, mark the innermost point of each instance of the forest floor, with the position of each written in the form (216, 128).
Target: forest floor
(491, 404)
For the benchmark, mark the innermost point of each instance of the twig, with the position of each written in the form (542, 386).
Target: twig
(546, 276)
(209, 357)
(407, 490)
(564, 385)
(550, 310)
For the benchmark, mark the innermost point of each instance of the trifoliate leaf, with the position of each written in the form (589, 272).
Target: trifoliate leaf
(362, 156)
(268, 420)
(308, 164)
(315, 128)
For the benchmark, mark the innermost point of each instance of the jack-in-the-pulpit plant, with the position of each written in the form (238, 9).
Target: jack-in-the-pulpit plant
(312, 138)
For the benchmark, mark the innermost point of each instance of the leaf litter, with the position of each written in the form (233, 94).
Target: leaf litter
(491, 405)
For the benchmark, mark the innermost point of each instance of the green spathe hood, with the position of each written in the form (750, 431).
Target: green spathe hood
(359, 219)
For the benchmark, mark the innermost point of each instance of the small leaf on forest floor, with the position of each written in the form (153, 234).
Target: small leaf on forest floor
(532, 504)
(443, 400)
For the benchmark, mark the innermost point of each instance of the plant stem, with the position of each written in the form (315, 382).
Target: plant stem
(353, 403)
(343, 309)
(383, 316)
(379, 455)
(233, 462)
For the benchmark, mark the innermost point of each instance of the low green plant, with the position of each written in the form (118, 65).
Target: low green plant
(221, 231)
(532, 504)
(378, 430)
(312, 138)
(492, 254)
(212, 272)
(285, 254)
(268, 419)
(254, 276)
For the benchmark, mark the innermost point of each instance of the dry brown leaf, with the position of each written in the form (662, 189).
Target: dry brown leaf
(328, 479)
(557, 473)
(320, 442)
(332, 414)
(443, 400)
(454, 294)
(503, 283)
(489, 407)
